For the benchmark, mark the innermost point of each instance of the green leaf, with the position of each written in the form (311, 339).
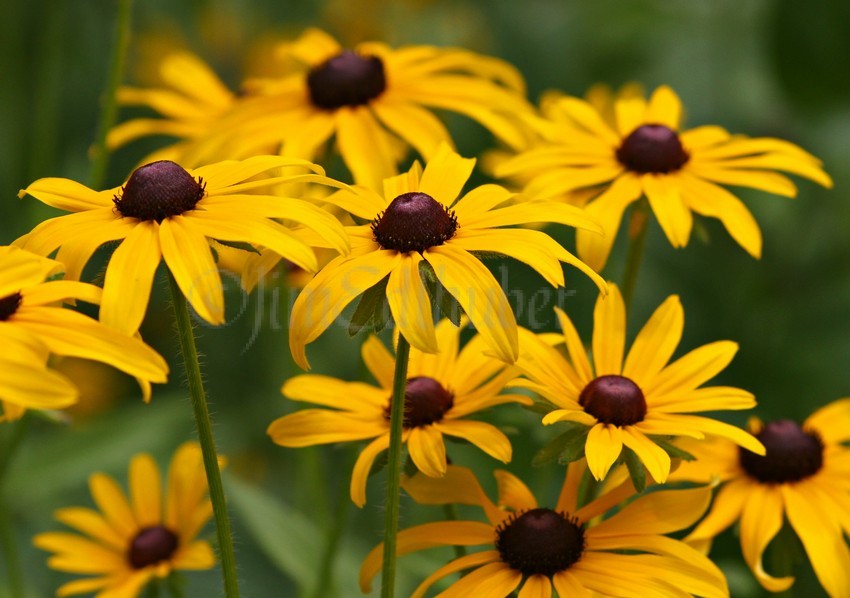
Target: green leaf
(674, 451)
(373, 311)
(449, 306)
(241, 245)
(563, 447)
(277, 529)
(636, 469)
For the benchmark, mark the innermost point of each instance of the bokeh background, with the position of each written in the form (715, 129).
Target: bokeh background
(760, 67)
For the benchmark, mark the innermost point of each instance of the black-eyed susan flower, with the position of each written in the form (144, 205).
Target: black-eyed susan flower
(166, 213)
(374, 101)
(191, 99)
(645, 154)
(635, 401)
(33, 322)
(417, 223)
(442, 391)
(803, 478)
(124, 544)
(573, 549)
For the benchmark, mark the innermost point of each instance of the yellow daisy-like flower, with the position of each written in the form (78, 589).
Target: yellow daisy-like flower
(192, 100)
(442, 390)
(33, 325)
(373, 100)
(126, 543)
(419, 222)
(804, 477)
(166, 213)
(534, 548)
(633, 403)
(645, 154)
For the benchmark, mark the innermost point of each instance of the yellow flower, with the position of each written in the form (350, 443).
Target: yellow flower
(636, 403)
(416, 224)
(164, 212)
(534, 548)
(646, 155)
(442, 390)
(126, 543)
(34, 325)
(374, 101)
(804, 478)
(192, 100)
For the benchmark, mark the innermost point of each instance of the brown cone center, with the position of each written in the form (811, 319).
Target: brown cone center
(614, 400)
(540, 542)
(9, 305)
(347, 79)
(414, 222)
(152, 545)
(159, 190)
(792, 454)
(425, 402)
(652, 148)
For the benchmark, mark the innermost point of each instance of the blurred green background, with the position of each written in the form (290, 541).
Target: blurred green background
(760, 67)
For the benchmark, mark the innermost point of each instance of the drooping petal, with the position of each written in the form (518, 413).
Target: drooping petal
(357, 397)
(673, 215)
(129, 278)
(362, 467)
(480, 295)
(427, 450)
(458, 486)
(661, 512)
(322, 426)
(410, 304)
(483, 435)
(761, 520)
(513, 492)
(656, 459)
(494, 580)
(365, 146)
(465, 562)
(536, 586)
(607, 210)
(604, 444)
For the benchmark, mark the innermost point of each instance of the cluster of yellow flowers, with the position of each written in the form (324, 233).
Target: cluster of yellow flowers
(240, 185)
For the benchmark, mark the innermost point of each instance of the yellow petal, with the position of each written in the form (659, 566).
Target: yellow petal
(418, 127)
(445, 175)
(607, 210)
(363, 465)
(112, 502)
(483, 435)
(365, 146)
(656, 459)
(513, 493)
(604, 444)
(91, 523)
(427, 450)
(567, 584)
(129, 277)
(761, 520)
(673, 215)
(67, 195)
(358, 397)
(379, 361)
(656, 342)
(480, 295)
(664, 108)
(410, 304)
(459, 564)
(536, 586)
(22, 269)
(609, 332)
(693, 369)
(491, 580)
(458, 486)
(321, 426)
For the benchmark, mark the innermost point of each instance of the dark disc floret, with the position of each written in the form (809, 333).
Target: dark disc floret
(793, 454)
(614, 400)
(425, 401)
(159, 190)
(414, 222)
(9, 305)
(652, 148)
(540, 542)
(152, 545)
(347, 79)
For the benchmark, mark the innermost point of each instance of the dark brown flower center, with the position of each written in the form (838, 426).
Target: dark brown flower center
(9, 305)
(414, 222)
(652, 148)
(792, 454)
(540, 542)
(614, 400)
(152, 545)
(347, 79)
(158, 190)
(425, 402)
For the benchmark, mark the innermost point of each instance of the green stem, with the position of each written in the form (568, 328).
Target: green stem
(637, 240)
(394, 468)
(10, 551)
(325, 579)
(205, 436)
(109, 108)
(7, 536)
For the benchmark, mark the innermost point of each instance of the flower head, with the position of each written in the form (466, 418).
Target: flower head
(804, 478)
(644, 153)
(419, 224)
(126, 543)
(375, 102)
(165, 212)
(636, 402)
(442, 390)
(533, 549)
(33, 325)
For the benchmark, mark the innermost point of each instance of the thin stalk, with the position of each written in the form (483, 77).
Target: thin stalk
(637, 240)
(109, 104)
(394, 468)
(205, 436)
(7, 536)
(324, 581)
